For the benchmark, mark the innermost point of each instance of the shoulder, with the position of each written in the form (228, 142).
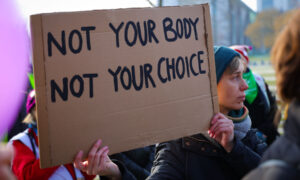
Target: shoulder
(273, 169)
(258, 77)
(26, 140)
(22, 137)
(186, 144)
(197, 145)
(170, 148)
(169, 161)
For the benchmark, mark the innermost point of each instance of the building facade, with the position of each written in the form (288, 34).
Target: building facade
(281, 5)
(229, 18)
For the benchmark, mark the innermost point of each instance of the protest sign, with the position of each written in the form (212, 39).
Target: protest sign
(132, 77)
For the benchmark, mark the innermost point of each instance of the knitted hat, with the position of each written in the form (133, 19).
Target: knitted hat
(223, 57)
(243, 50)
(30, 101)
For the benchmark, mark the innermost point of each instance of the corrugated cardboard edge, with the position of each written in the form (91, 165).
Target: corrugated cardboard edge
(40, 87)
(210, 50)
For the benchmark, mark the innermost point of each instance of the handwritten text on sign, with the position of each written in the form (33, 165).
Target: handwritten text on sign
(134, 77)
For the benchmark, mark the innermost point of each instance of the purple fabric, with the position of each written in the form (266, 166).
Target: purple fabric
(14, 58)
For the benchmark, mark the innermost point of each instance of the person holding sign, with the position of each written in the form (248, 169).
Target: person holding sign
(229, 150)
(26, 163)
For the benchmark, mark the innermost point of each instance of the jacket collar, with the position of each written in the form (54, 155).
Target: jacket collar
(239, 115)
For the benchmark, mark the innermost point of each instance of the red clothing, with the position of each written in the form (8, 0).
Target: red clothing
(26, 166)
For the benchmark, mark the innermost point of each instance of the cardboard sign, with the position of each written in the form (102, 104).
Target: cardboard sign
(132, 77)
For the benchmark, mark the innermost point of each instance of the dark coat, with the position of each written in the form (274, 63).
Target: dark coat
(262, 115)
(134, 164)
(137, 161)
(285, 149)
(200, 157)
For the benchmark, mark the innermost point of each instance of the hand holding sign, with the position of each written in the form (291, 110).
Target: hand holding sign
(222, 130)
(98, 162)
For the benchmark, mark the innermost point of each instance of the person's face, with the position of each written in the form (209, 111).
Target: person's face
(231, 89)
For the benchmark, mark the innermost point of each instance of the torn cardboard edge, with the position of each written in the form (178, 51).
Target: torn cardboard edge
(210, 51)
(40, 83)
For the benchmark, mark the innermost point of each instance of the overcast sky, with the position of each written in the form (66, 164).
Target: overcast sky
(29, 7)
(251, 3)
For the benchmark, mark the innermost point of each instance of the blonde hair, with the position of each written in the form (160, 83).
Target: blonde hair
(235, 64)
(28, 119)
(285, 56)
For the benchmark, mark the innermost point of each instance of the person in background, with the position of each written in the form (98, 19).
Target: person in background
(282, 159)
(18, 125)
(229, 150)
(25, 164)
(260, 101)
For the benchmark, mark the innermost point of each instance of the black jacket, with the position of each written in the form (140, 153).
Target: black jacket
(285, 149)
(262, 115)
(134, 164)
(200, 157)
(138, 161)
